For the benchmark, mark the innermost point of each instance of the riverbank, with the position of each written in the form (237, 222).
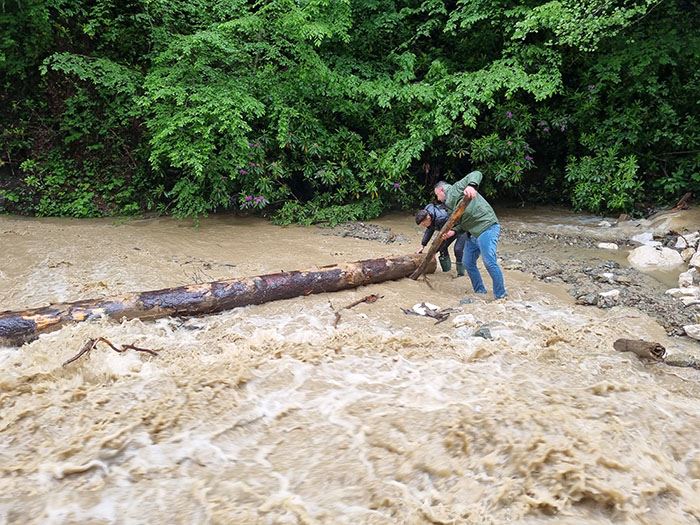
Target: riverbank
(557, 246)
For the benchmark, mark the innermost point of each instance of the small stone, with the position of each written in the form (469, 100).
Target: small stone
(483, 332)
(604, 224)
(606, 277)
(466, 300)
(513, 264)
(608, 299)
(695, 260)
(623, 217)
(588, 299)
(608, 246)
(689, 240)
(692, 330)
(688, 279)
(687, 254)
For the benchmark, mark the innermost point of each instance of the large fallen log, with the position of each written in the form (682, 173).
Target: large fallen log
(17, 327)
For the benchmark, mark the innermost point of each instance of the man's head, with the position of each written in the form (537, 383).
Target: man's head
(424, 219)
(440, 190)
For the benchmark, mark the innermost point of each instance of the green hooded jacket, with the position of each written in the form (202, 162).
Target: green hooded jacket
(478, 214)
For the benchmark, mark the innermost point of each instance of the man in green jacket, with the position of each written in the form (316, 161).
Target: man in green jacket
(481, 222)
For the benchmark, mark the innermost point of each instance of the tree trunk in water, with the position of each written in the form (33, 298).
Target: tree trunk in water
(199, 299)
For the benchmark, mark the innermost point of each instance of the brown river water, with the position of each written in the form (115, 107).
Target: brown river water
(269, 414)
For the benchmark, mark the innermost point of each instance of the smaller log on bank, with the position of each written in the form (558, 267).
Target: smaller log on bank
(17, 327)
(644, 349)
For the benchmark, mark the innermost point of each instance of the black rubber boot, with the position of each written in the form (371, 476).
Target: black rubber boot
(445, 263)
(460, 269)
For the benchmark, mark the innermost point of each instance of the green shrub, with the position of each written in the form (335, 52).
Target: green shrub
(605, 182)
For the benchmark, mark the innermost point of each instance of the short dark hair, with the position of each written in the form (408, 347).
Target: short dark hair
(421, 216)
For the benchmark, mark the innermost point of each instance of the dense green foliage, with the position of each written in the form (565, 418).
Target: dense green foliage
(328, 110)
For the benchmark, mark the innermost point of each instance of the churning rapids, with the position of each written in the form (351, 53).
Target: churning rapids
(271, 414)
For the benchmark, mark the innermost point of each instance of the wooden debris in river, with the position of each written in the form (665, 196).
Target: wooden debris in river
(90, 345)
(429, 310)
(644, 349)
(655, 352)
(371, 298)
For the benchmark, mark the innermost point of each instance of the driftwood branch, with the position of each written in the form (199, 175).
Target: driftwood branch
(17, 327)
(372, 298)
(437, 242)
(90, 345)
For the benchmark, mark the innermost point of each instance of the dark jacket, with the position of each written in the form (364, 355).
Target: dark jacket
(439, 215)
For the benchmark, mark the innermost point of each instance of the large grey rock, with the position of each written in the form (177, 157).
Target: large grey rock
(645, 258)
(693, 331)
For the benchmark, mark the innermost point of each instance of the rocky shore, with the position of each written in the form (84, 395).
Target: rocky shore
(651, 264)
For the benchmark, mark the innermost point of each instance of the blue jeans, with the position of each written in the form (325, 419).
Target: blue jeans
(485, 245)
(459, 246)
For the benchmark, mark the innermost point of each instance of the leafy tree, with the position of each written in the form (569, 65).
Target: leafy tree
(329, 110)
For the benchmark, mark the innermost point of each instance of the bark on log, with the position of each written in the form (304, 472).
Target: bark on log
(17, 327)
(435, 245)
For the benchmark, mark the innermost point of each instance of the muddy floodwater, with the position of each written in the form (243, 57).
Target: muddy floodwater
(273, 414)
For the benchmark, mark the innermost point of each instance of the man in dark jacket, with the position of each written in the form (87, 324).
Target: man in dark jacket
(481, 222)
(433, 217)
